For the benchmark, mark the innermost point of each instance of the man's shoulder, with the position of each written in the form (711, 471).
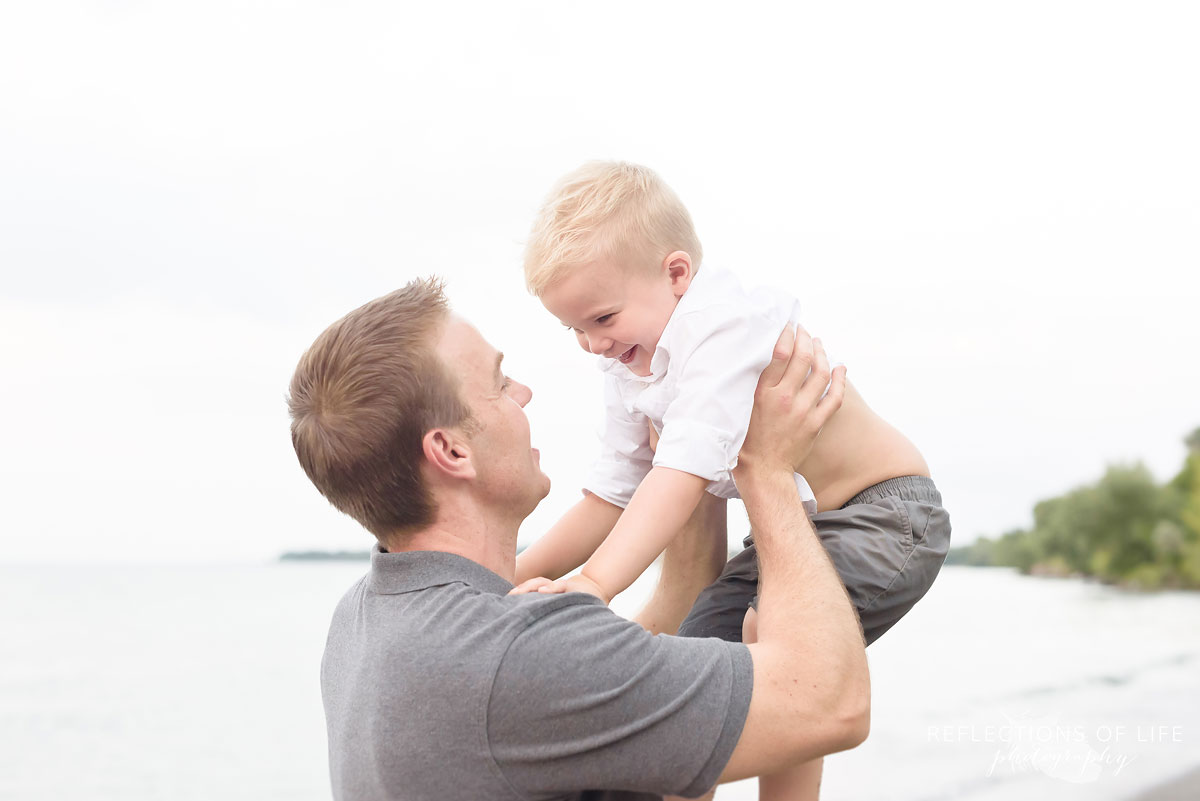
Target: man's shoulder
(586, 640)
(456, 610)
(593, 694)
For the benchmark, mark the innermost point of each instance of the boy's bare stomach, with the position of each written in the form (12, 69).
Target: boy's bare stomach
(855, 450)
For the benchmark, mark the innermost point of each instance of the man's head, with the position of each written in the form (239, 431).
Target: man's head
(611, 252)
(379, 392)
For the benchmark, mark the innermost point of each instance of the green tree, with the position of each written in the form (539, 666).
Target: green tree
(1123, 528)
(1185, 491)
(1017, 548)
(1104, 529)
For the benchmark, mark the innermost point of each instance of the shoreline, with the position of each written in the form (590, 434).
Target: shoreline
(1130, 588)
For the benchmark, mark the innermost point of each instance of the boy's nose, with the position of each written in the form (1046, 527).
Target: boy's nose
(599, 345)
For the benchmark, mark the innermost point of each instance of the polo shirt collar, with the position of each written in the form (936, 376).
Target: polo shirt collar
(408, 571)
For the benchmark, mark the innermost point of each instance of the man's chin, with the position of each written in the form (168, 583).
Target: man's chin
(542, 492)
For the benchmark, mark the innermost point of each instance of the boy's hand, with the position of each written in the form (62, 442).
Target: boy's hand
(576, 583)
(789, 410)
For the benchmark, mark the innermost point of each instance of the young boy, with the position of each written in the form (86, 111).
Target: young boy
(614, 256)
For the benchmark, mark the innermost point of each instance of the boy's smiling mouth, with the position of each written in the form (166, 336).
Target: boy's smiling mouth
(627, 356)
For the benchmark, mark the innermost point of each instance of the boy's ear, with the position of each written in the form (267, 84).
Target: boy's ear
(678, 267)
(448, 453)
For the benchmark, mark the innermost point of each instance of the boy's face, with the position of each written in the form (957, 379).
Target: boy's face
(616, 311)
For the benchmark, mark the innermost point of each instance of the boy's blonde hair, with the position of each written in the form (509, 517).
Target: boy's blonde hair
(607, 209)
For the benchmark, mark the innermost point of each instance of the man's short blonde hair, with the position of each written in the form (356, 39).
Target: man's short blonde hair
(607, 210)
(361, 400)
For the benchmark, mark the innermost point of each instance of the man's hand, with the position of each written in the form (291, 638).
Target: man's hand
(789, 410)
(576, 583)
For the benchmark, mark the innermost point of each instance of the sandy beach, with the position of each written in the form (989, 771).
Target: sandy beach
(1183, 788)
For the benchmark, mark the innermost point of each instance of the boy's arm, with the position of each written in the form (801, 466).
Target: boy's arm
(660, 507)
(569, 542)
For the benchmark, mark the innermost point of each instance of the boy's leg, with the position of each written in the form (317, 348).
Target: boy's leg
(801, 783)
(690, 563)
(749, 635)
(721, 608)
(887, 544)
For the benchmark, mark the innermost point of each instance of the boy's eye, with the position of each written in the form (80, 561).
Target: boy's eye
(604, 318)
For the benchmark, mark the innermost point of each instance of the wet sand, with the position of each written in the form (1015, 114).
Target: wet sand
(1184, 788)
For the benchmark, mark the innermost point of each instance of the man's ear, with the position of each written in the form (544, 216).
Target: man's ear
(678, 267)
(447, 452)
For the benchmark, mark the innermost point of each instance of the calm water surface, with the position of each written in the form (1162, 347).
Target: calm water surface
(134, 682)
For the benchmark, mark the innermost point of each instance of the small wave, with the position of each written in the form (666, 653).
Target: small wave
(1099, 680)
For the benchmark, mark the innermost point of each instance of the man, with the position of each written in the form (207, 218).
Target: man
(438, 684)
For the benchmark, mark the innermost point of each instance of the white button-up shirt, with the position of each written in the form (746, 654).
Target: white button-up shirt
(699, 393)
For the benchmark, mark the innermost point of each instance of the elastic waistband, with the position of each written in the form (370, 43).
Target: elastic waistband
(908, 488)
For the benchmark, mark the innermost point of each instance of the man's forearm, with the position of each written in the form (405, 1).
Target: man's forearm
(797, 582)
(811, 686)
(812, 692)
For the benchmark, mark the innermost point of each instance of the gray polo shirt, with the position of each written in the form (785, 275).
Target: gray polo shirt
(439, 685)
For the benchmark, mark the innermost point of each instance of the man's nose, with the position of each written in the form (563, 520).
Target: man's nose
(520, 393)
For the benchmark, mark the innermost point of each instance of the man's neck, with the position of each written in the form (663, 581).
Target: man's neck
(471, 536)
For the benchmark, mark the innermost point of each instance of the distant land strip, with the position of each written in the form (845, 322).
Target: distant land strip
(324, 556)
(333, 556)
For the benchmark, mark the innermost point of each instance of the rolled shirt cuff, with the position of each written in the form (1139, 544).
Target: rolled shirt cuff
(698, 449)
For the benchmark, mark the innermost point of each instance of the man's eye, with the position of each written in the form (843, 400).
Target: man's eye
(507, 383)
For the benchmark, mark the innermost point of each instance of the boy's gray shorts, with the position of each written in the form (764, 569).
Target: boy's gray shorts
(887, 543)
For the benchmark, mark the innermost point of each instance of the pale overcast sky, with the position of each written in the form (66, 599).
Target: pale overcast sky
(989, 212)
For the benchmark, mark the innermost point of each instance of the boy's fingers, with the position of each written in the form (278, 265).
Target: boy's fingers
(529, 586)
(553, 587)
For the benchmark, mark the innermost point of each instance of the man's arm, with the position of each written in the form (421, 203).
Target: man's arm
(811, 686)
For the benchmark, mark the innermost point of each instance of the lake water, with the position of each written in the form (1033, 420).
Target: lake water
(136, 682)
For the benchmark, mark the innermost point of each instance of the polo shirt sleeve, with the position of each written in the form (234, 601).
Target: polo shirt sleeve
(586, 700)
(717, 362)
(625, 455)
